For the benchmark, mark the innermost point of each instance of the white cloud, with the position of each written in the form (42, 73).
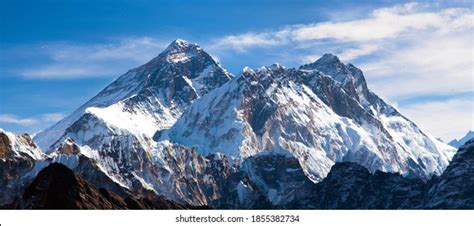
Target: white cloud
(93, 60)
(135, 49)
(380, 24)
(415, 47)
(31, 121)
(66, 70)
(445, 119)
(243, 41)
(13, 119)
(426, 65)
(52, 117)
(354, 53)
(385, 23)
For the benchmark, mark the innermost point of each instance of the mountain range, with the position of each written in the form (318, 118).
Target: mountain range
(182, 130)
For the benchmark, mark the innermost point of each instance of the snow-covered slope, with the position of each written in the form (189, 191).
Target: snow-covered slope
(20, 160)
(118, 123)
(321, 113)
(146, 98)
(458, 143)
(18, 146)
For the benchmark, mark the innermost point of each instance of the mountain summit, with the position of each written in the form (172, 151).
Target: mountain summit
(115, 127)
(146, 98)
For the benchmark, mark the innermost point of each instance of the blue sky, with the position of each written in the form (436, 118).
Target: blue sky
(55, 55)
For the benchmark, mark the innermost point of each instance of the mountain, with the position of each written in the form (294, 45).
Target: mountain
(115, 127)
(182, 127)
(57, 187)
(320, 113)
(458, 143)
(143, 100)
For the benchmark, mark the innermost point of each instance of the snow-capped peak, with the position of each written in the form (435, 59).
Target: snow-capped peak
(13, 145)
(330, 64)
(180, 44)
(329, 58)
(247, 69)
(145, 99)
(180, 50)
(313, 113)
(277, 66)
(458, 143)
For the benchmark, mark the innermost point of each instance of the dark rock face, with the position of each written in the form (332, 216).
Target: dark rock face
(57, 187)
(353, 99)
(193, 178)
(12, 177)
(180, 74)
(16, 165)
(183, 60)
(165, 79)
(351, 186)
(454, 189)
(266, 182)
(278, 182)
(5, 147)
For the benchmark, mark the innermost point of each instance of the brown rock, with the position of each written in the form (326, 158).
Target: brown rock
(5, 146)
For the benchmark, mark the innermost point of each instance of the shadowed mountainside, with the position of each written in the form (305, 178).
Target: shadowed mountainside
(57, 187)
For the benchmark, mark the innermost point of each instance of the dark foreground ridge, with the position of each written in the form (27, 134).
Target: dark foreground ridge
(351, 186)
(57, 187)
(347, 186)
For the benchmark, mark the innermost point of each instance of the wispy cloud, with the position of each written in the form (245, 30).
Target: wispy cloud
(386, 23)
(47, 118)
(406, 51)
(415, 47)
(52, 117)
(444, 119)
(136, 49)
(67, 61)
(436, 65)
(13, 119)
(67, 70)
(244, 41)
(362, 50)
